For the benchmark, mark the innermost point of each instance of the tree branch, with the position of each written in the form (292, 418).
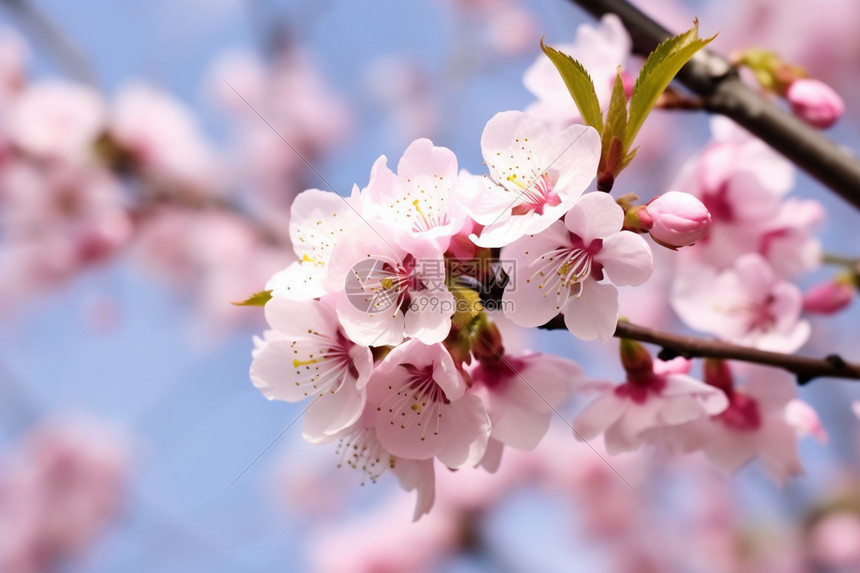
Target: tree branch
(806, 369)
(712, 77)
(64, 51)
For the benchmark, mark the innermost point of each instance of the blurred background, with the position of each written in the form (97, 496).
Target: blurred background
(146, 174)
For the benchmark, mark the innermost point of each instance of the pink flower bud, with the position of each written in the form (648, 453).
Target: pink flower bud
(829, 297)
(815, 102)
(678, 219)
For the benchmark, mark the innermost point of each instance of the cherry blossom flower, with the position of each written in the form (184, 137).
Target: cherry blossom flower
(833, 540)
(787, 240)
(381, 541)
(360, 448)
(307, 354)
(746, 304)
(601, 50)
(521, 392)
(387, 292)
(567, 269)
(755, 423)
(57, 120)
(653, 397)
(416, 200)
(318, 220)
(536, 175)
(161, 134)
(741, 181)
(58, 492)
(57, 219)
(423, 410)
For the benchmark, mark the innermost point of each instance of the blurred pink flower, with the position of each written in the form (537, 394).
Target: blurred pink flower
(746, 304)
(57, 120)
(665, 397)
(162, 135)
(741, 182)
(384, 542)
(58, 492)
(58, 219)
(521, 393)
(757, 422)
(835, 540)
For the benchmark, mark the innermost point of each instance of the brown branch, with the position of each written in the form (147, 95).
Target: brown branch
(55, 41)
(806, 369)
(712, 77)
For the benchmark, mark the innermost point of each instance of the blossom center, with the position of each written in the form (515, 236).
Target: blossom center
(322, 363)
(564, 269)
(536, 196)
(638, 388)
(427, 218)
(390, 283)
(418, 401)
(743, 413)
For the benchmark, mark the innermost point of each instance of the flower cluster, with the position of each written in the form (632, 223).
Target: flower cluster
(383, 322)
(379, 322)
(735, 283)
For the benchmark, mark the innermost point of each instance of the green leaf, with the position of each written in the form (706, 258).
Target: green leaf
(616, 116)
(579, 84)
(467, 304)
(613, 147)
(256, 299)
(659, 69)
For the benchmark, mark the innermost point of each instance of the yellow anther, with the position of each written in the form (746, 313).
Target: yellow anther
(513, 179)
(417, 206)
(297, 363)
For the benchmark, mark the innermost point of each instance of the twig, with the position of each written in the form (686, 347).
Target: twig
(64, 51)
(712, 77)
(806, 369)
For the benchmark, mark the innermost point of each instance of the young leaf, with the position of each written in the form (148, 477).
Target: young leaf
(613, 146)
(579, 84)
(256, 299)
(659, 69)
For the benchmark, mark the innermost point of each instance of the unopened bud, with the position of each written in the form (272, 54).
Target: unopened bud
(815, 102)
(829, 297)
(636, 360)
(677, 219)
(716, 373)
